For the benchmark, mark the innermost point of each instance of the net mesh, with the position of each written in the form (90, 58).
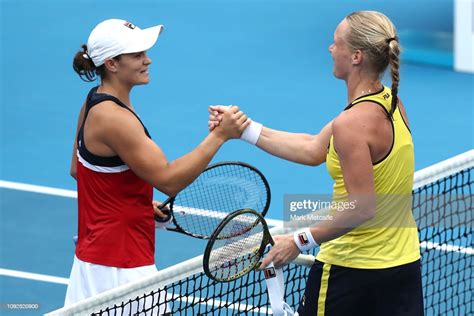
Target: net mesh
(443, 211)
(442, 205)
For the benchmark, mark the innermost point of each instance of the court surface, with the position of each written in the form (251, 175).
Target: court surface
(269, 57)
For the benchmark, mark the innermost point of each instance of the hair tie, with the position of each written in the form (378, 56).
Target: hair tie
(391, 39)
(85, 52)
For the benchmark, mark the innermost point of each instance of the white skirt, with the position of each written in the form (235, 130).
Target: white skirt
(88, 279)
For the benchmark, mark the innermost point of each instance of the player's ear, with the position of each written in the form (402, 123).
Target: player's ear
(357, 57)
(111, 65)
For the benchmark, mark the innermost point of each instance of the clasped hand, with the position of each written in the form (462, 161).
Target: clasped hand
(227, 121)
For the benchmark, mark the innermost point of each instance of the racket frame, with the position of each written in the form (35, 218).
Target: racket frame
(171, 200)
(266, 240)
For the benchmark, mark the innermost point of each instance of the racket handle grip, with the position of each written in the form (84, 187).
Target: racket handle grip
(165, 219)
(305, 260)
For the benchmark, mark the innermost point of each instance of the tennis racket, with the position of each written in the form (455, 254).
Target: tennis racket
(219, 190)
(229, 258)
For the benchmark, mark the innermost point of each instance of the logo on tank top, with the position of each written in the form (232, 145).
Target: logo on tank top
(386, 96)
(130, 25)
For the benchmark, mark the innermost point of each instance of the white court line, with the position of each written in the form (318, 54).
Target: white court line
(219, 303)
(34, 276)
(37, 189)
(447, 247)
(219, 215)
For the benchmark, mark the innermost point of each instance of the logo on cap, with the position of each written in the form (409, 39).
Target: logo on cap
(130, 25)
(269, 273)
(303, 238)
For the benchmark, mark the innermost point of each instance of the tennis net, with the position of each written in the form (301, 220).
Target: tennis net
(442, 205)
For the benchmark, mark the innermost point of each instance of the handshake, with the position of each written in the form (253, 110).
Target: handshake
(229, 122)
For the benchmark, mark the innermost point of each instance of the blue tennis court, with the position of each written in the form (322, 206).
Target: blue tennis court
(269, 57)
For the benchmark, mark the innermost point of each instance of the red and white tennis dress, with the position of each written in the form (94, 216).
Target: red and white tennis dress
(116, 234)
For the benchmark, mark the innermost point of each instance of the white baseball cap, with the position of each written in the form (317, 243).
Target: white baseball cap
(114, 37)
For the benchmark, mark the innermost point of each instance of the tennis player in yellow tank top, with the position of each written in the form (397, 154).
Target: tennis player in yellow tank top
(368, 263)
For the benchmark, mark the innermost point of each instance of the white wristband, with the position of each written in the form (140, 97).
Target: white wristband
(304, 239)
(252, 132)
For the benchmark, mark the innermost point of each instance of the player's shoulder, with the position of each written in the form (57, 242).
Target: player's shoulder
(367, 109)
(110, 109)
(107, 106)
(110, 113)
(361, 117)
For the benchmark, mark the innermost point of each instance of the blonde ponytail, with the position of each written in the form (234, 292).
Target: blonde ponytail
(376, 35)
(394, 62)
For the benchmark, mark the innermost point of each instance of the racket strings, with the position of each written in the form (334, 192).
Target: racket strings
(216, 193)
(232, 257)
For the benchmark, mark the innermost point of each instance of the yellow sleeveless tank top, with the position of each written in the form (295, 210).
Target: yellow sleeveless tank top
(391, 237)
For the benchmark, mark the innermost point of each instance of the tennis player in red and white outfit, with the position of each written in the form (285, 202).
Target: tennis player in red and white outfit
(117, 164)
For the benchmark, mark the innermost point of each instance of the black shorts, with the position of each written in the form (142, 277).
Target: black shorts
(337, 291)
